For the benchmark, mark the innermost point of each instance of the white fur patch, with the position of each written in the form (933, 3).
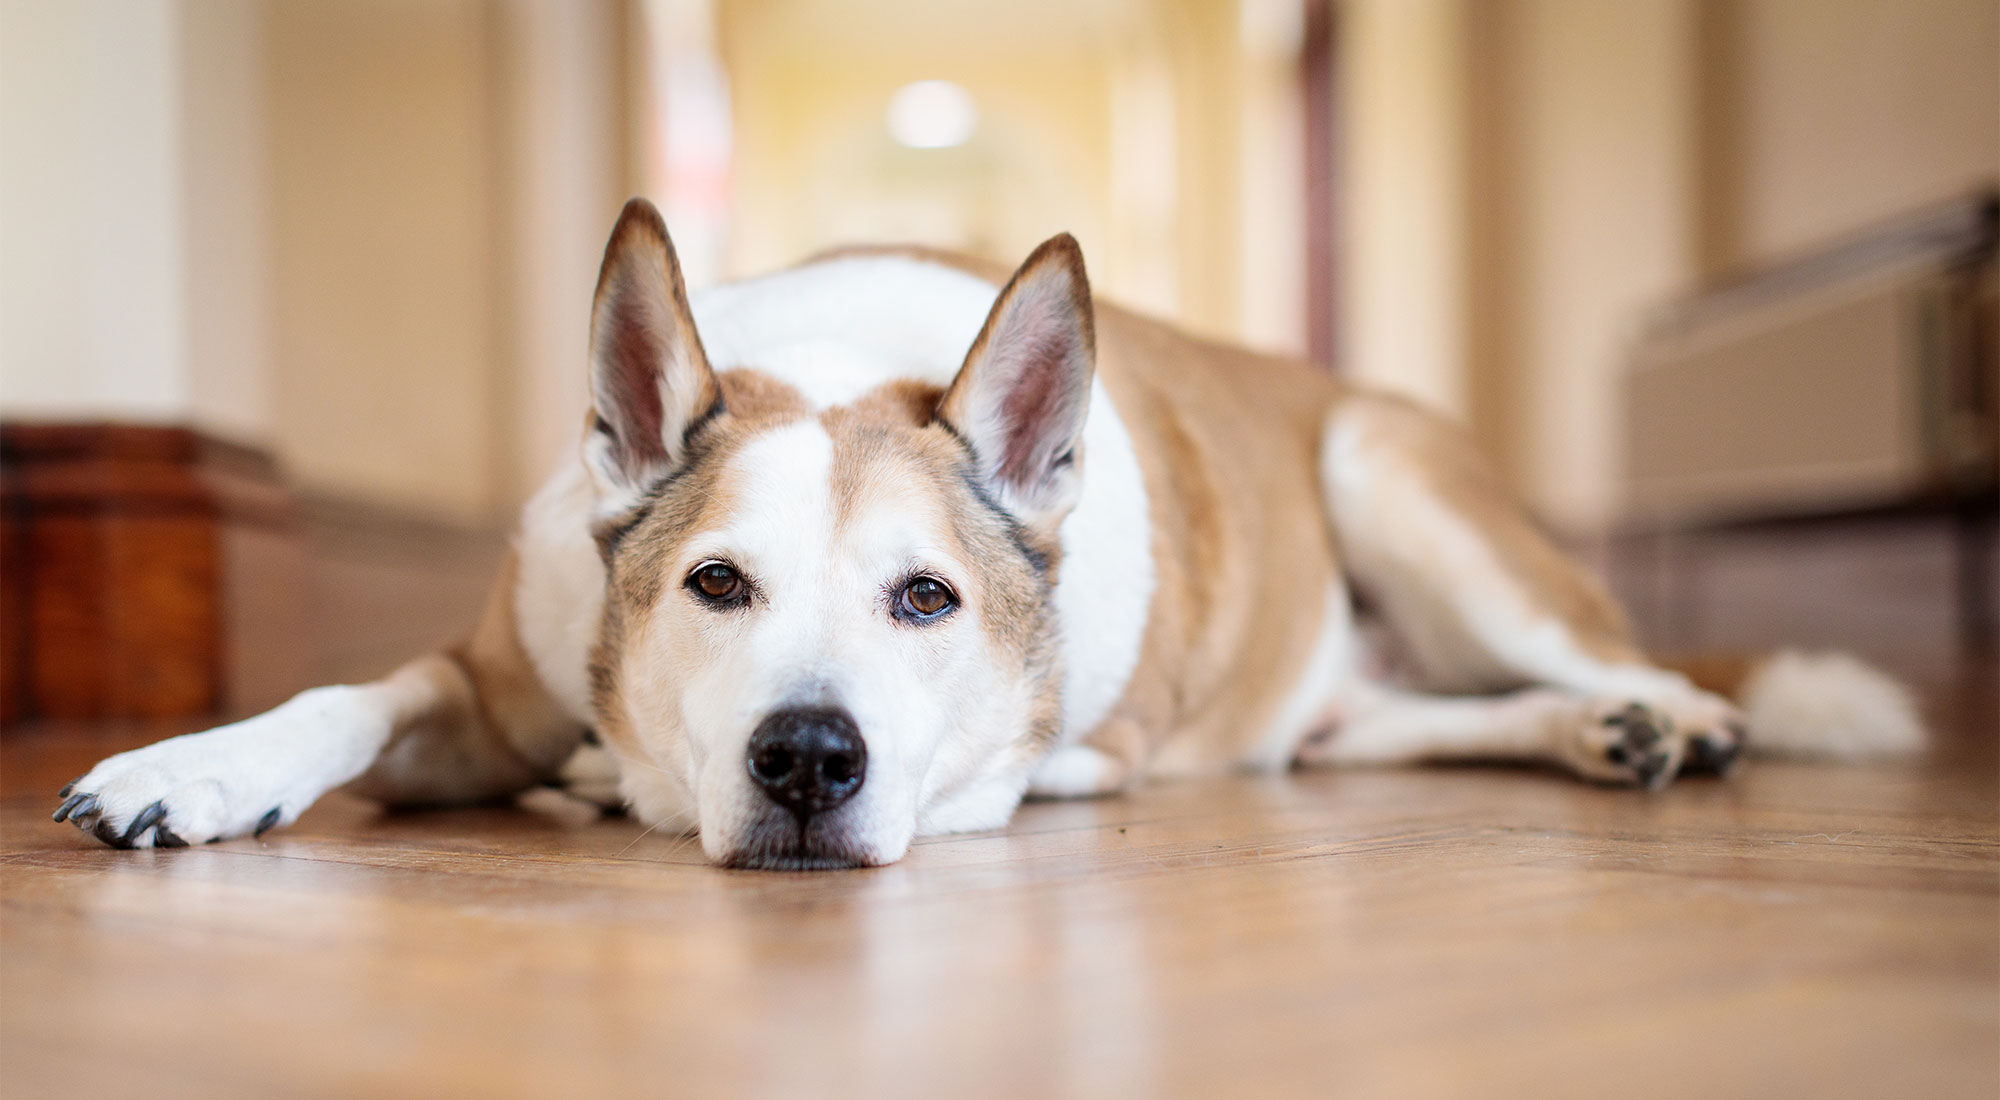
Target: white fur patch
(1829, 705)
(1076, 771)
(559, 591)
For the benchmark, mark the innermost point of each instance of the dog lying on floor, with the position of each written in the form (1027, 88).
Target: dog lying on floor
(870, 548)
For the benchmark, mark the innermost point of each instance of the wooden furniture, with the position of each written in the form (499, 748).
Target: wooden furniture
(118, 547)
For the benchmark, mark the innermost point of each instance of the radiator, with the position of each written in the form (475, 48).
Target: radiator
(1857, 378)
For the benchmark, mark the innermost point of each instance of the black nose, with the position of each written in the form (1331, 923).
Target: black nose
(808, 761)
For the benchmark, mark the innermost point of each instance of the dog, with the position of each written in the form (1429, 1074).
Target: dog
(874, 547)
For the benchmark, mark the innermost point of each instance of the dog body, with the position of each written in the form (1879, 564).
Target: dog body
(822, 580)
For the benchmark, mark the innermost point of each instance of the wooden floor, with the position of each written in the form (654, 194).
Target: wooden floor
(1793, 931)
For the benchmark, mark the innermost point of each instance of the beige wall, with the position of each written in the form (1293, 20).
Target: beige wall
(381, 276)
(560, 177)
(1404, 198)
(225, 214)
(1846, 112)
(1601, 224)
(93, 252)
(131, 188)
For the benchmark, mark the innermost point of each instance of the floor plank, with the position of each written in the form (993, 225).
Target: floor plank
(1795, 930)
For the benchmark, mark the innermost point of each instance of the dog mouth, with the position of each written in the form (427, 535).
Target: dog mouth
(786, 845)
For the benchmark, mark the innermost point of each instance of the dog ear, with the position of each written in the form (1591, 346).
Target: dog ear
(649, 377)
(1020, 399)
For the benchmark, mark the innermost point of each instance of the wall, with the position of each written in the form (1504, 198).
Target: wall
(225, 214)
(1846, 112)
(93, 254)
(560, 177)
(1404, 198)
(381, 263)
(1601, 219)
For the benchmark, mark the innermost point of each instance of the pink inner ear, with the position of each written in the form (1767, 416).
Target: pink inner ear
(631, 361)
(1036, 402)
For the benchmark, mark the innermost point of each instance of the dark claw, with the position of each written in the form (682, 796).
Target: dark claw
(265, 823)
(148, 817)
(1712, 755)
(76, 805)
(1642, 730)
(109, 834)
(164, 837)
(68, 787)
(1642, 734)
(1651, 768)
(1640, 723)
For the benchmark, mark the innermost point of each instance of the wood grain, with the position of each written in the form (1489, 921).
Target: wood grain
(1794, 931)
(115, 599)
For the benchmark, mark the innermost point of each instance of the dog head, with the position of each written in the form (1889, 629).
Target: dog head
(827, 629)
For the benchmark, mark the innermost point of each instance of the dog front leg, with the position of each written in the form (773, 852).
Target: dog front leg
(249, 776)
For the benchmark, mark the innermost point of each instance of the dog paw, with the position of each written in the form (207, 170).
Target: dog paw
(157, 797)
(590, 775)
(1628, 743)
(237, 780)
(1078, 771)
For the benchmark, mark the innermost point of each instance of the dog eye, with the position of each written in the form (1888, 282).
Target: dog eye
(925, 599)
(717, 583)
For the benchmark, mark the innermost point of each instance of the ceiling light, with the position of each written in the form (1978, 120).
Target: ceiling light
(932, 114)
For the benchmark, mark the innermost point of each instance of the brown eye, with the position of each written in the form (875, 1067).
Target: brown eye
(718, 583)
(926, 598)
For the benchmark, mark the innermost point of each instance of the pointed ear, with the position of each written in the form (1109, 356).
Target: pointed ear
(1020, 399)
(650, 381)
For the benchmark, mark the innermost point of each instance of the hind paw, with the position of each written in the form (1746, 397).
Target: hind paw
(1627, 743)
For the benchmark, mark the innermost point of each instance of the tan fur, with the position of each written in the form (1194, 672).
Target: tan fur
(489, 727)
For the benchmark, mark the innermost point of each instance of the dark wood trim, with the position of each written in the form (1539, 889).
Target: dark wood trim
(113, 537)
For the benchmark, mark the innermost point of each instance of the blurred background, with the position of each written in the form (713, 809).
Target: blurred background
(293, 295)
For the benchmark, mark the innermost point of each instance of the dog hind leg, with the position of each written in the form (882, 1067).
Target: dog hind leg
(1611, 741)
(1480, 597)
